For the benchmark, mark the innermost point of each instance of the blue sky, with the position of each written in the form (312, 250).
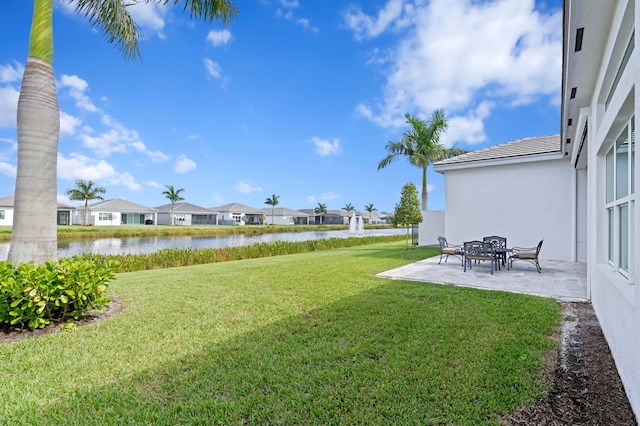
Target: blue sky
(296, 97)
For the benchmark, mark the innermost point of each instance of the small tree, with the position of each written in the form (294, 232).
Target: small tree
(273, 202)
(85, 191)
(407, 211)
(321, 209)
(369, 207)
(173, 195)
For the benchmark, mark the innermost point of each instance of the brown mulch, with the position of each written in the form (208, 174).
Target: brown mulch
(9, 335)
(586, 387)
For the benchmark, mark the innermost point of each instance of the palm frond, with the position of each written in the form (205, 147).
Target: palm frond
(208, 10)
(115, 21)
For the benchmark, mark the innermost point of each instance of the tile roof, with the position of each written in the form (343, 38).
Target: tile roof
(9, 200)
(518, 148)
(119, 205)
(183, 208)
(283, 211)
(236, 208)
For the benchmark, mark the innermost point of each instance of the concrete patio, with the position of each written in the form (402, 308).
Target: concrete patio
(564, 281)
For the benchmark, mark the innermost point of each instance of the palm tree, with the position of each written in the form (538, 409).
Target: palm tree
(369, 207)
(348, 208)
(173, 195)
(421, 145)
(85, 191)
(273, 202)
(34, 234)
(321, 209)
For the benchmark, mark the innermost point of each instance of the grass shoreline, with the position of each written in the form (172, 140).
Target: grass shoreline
(80, 232)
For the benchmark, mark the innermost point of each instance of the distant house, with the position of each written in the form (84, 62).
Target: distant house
(238, 214)
(285, 216)
(116, 212)
(6, 212)
(331, 217)
(377, 218)
(186, 214)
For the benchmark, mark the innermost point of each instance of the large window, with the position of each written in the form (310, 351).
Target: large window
(620, 199)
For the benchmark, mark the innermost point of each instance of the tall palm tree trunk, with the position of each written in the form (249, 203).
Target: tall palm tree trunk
(34, 234)
(424, 188)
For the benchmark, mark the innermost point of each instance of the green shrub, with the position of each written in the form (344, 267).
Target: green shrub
(34, 296)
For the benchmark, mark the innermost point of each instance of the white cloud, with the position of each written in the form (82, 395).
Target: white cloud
(149, 16)
(219, 38)
(468, 129)
(366, 26)
(246, 187)
(184, 164)
(8, 106)
(213, 68)
(68, 124)
(11, 73)
(125, 179)
(83, 167)
(311, 199)
(77, 88)
(303, 22)
(117, 138)
(154, 184)
(292, 4)
(7, 169)
(326, 147)
(457, 54)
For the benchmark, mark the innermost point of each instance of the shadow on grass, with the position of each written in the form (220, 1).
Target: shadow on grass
(402, 352)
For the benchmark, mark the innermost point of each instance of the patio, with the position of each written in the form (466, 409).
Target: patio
(564, 281)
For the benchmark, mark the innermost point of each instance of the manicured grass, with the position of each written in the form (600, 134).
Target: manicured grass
(312, 338)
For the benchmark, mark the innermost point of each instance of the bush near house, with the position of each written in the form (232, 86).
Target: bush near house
(33, 296)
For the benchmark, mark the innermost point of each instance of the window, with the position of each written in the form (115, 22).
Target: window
(1, 214)
(104, 216)
(620, 199)
(623, 64)
(237, 217)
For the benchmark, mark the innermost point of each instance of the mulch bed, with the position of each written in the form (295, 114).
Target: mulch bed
(586, 387)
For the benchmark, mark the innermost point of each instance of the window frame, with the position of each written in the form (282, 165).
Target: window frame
(619, 205)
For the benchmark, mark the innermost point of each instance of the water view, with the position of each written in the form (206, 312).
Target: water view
(137, 245)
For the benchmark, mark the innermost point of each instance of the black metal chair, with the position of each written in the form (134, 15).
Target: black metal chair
(500, 244)
(530, 254)
(447, 250)
(478, 250)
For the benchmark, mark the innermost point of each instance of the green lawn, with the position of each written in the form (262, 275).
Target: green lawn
(311, 338)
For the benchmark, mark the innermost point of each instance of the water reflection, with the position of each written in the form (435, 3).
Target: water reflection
(137, 245)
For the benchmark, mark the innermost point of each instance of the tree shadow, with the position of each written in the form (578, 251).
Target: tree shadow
(401, 352)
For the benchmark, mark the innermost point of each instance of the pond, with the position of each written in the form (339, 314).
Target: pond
(138, 245)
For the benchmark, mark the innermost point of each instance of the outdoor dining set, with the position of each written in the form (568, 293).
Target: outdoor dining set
(493, 249)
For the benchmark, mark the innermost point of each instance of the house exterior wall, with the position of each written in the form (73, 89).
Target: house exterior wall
(181, 219)
(524, 202)
(431, 227)
(7, 219)
(615, 293)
